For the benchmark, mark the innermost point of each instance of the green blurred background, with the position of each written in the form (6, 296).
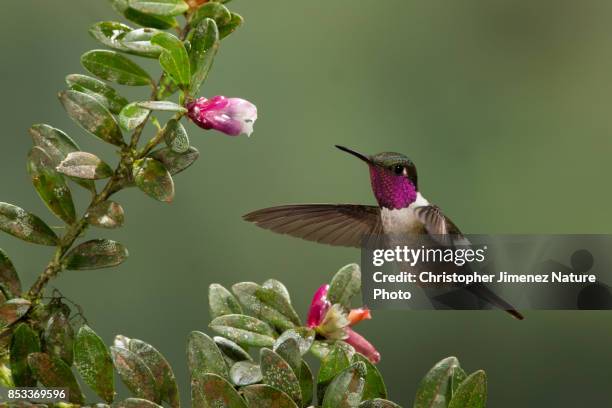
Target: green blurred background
(505, 106)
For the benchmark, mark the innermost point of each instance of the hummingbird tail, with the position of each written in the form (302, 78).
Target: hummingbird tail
(487, 294)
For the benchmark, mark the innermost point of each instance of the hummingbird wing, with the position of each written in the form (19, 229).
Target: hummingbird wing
(446, 233)
(333, 224)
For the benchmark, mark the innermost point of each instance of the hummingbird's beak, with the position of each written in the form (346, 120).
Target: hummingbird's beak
(356, 154)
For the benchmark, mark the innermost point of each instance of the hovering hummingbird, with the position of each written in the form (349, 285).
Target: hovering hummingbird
(401, 210)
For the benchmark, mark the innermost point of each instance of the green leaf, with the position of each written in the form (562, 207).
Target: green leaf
(143, 19)
(107, 214)
(57, 145)
(213, 10)
(346, 388)
(132, 116)
(23, 342)
(230, 27)
(344, 285)
(457, 377)
(203, 356)
(245, 373)
(114, 67)
(95, 254)
(59, 337)
(176, 136)
(50, 185)
(13, 310)
(435, 389)
(136, 403)
(378, 403)
(9, 279)
(28, 227)
(306, 384)
(266, 304)
(94, 363)
(92, 116)
(303, 335)
(289, 350)
(213, 391)
(103, 93)
(51, 371)
(338, 359)
(161, 370)
(374, 383)
(152, 177)
(232, 350)
(166, 106)
(159, 7)
(204, 46)
(278, 287)
(279, 374)
(244, 330)
(173, 59)
(166, 87)
(221, 301)
(175, 162)
(262, 395)
(472, 393)
(123, 38)
(85, 166)
(135, 374)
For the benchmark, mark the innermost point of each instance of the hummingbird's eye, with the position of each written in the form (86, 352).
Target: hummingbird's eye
(398, 169)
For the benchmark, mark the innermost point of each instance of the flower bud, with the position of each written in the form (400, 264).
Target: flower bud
(357, 315)
(318, 307)
(232, 116)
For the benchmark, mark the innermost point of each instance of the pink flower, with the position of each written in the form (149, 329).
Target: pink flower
(333, 323)
(232, 116)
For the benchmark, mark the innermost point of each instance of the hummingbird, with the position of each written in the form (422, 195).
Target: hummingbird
(401, 210)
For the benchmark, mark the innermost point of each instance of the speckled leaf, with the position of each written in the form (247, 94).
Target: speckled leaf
(107, 214)
(123, 38)
(165, 106)
(279, 374)
(262, 395)
(152, 177)
(244, 330)
(159, 7)
(306, 384)
(221, 301)
(320, 349)
(143, 19)
(13, 310)
(303, 335)
(266, 304)
(57, 145)
(374, 383)
(378, 403)
(213, 391)
(85, 166)
(457, 377)
(289, 350)
(103, 93)
(135, 374)
(175, 162)
(50, 185)
(213, 10)
(114, 67)
(472, 393)
(136, 403)
(132, 116)
(59, 337)
(245, 373)
(230, 27)
(344, 285)
(94, 363)
(173, 59)
(278, 287)
(95, 254)
(346, 388)
(203, 356)
(338, 359)
(51, 371)
(23, 342)
(9, 279)
(161, 370)
(435, 389)
(176, 136)
(91, 115)
(232, 350)
(21, 224)
(205, 43)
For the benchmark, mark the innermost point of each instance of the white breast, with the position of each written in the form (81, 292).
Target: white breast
(402, 220)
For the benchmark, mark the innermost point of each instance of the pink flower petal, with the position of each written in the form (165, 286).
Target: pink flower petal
(232, 116)
(362, 346)
(357, 315)
(318, 307)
